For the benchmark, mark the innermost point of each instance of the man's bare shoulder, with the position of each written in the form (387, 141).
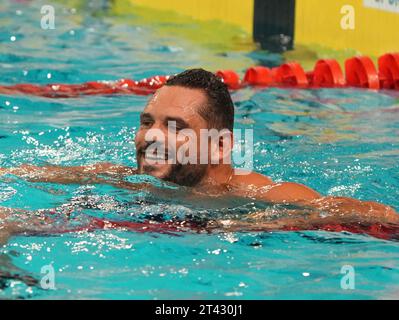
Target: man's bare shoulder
(289, 192)
(250, 179)
(262, 187)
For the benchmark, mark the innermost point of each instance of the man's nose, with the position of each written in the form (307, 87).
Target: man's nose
(158, 125)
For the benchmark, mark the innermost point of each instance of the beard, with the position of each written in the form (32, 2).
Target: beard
(188, 175)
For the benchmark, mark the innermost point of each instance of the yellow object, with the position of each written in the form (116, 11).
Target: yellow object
(321, 26)
(236, 12)
(207, 40)
(375, 32)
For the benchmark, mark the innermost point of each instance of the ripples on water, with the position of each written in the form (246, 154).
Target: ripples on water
(340, 142)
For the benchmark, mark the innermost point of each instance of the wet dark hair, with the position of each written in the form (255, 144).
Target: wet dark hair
(219, 113)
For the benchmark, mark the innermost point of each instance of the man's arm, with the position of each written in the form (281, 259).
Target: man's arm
(339, 209)
(7, 269)
(311, 211)
(96, 173)
(7, 227)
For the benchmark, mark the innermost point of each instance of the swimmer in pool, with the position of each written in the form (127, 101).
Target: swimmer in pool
(190, 102)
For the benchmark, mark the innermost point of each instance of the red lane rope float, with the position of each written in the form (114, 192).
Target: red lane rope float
(290, 74)
(151, 84)
(123, 86)
(258, 76)
(360, 72)
(388, 66)
(327, 74)
(230, 78)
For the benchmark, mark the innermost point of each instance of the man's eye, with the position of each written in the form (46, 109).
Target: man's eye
(146, 123)
(176, 127)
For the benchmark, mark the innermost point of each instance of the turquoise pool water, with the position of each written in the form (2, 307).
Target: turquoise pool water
(340, 142)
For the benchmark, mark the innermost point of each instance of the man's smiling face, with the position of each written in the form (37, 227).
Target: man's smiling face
(171, 110)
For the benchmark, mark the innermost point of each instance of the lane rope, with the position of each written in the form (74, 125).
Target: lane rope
(360, 72)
